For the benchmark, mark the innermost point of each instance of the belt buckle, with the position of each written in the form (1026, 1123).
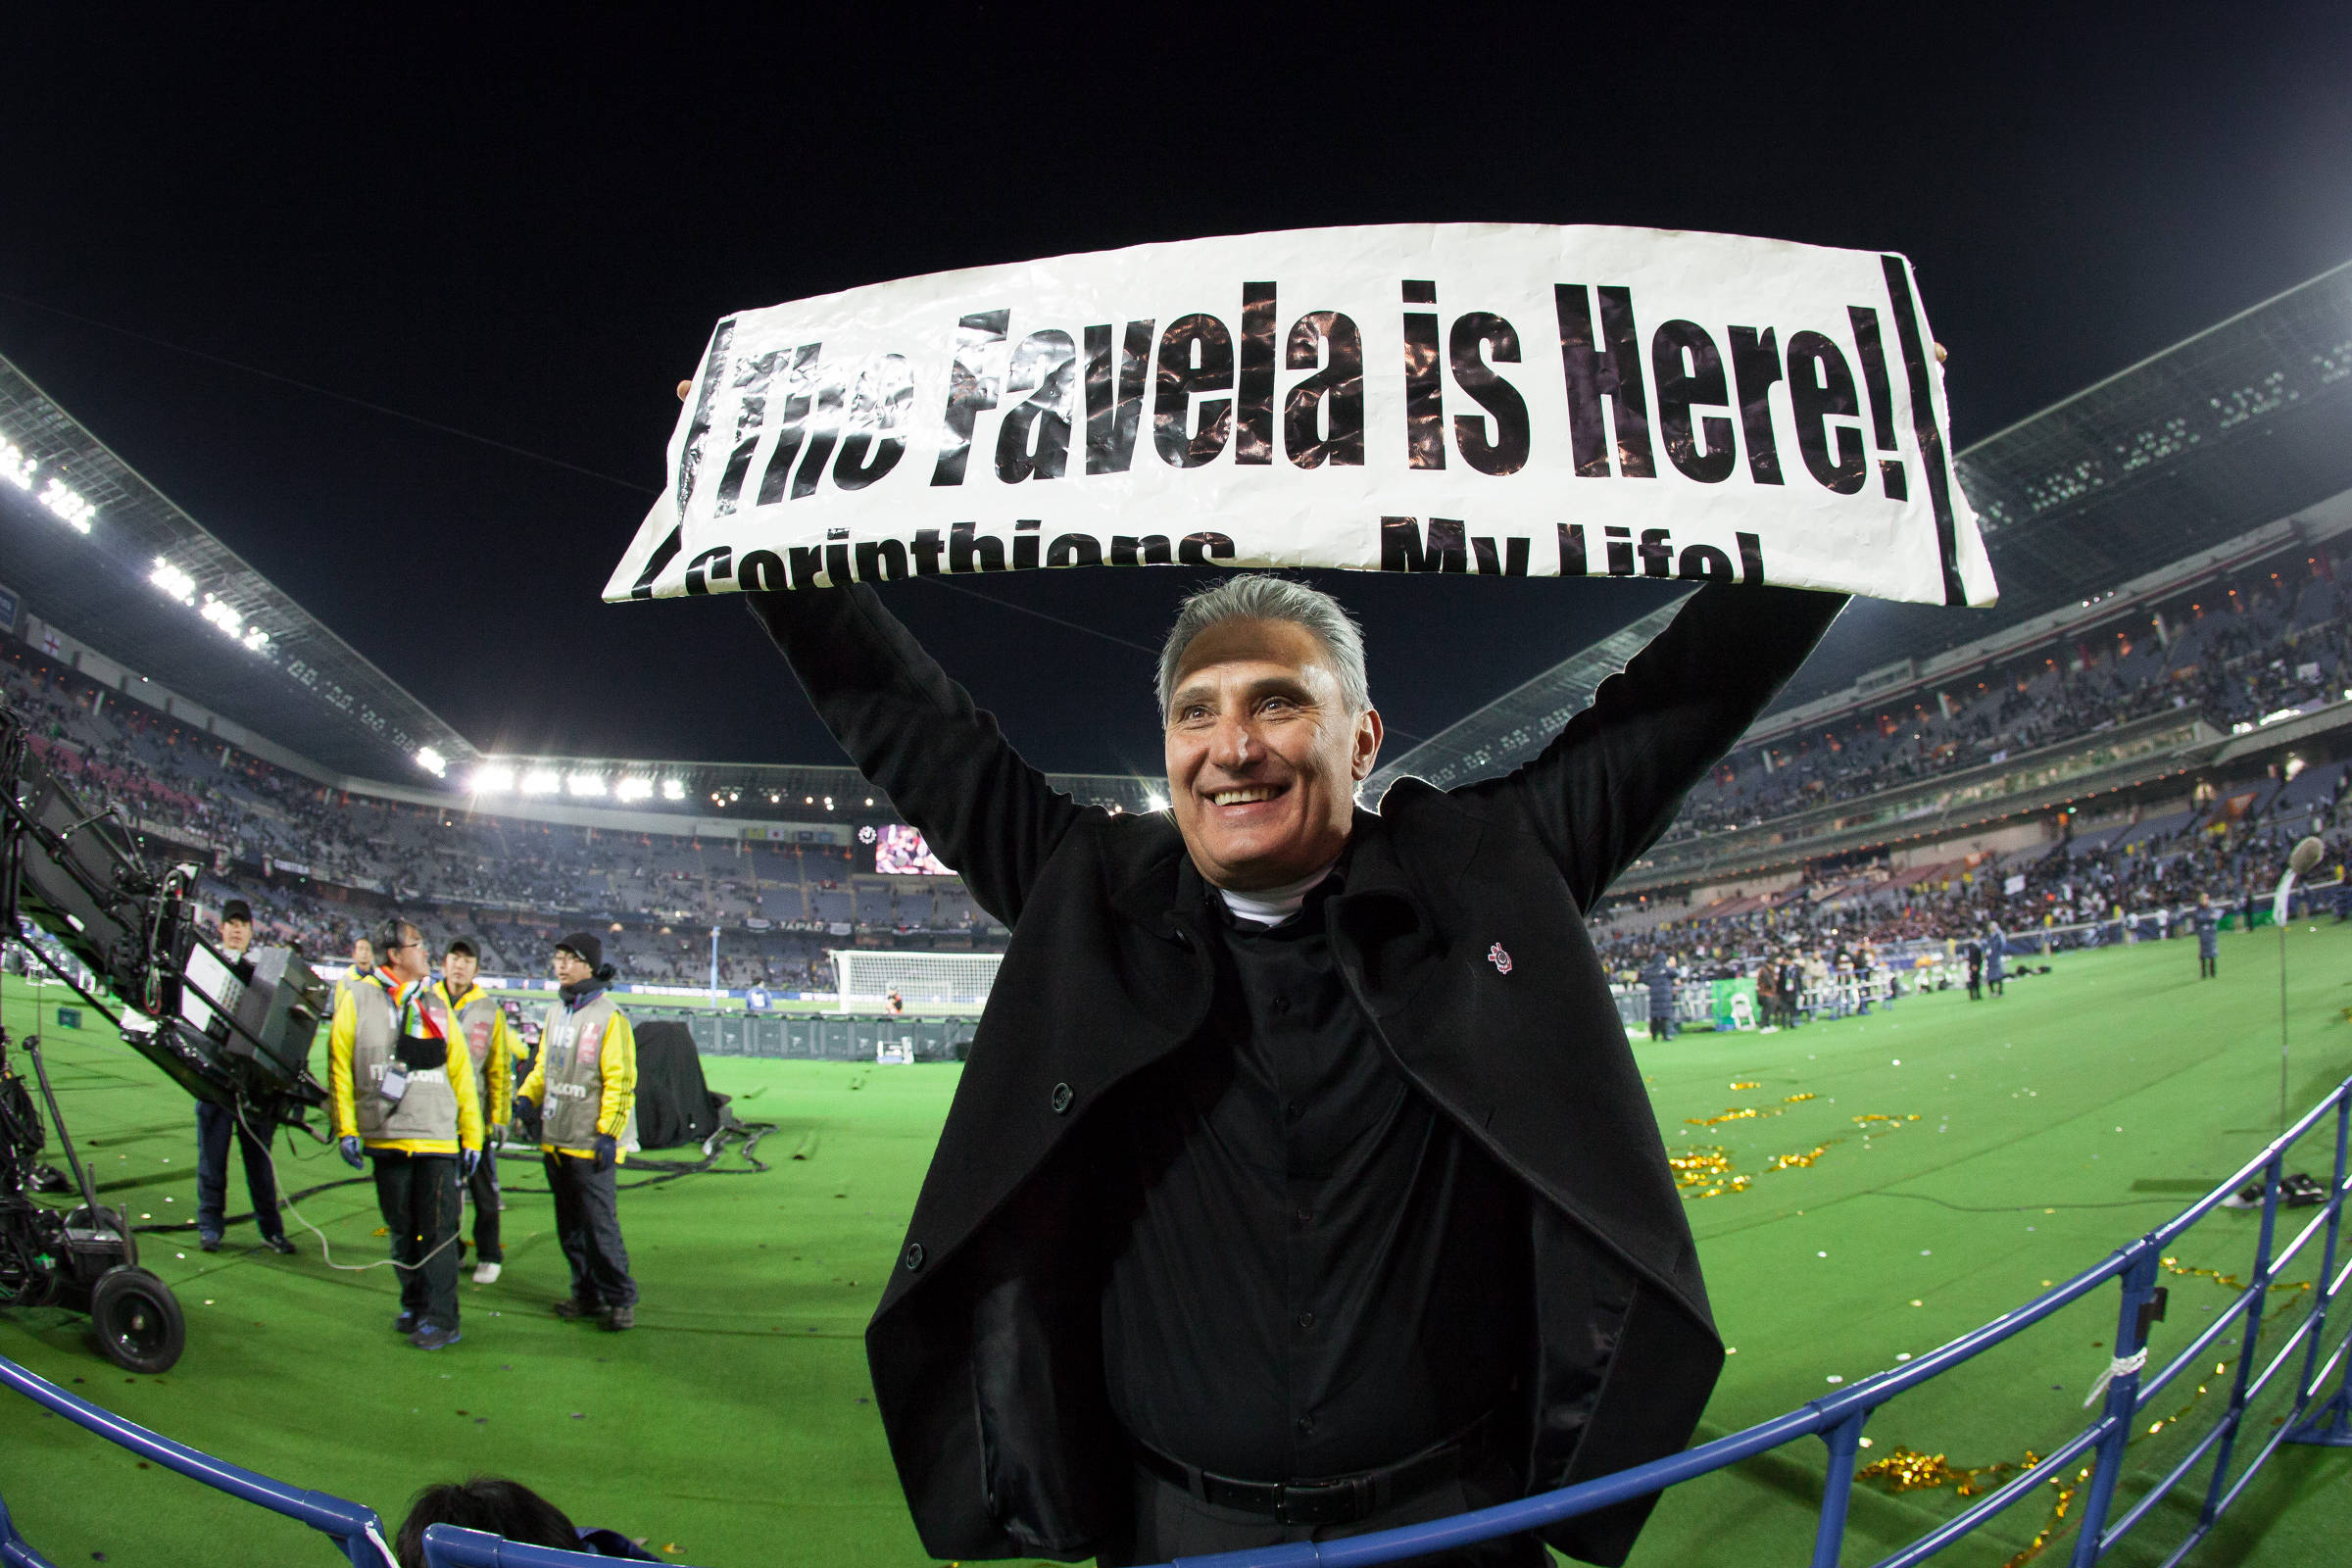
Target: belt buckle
(1305, 1503)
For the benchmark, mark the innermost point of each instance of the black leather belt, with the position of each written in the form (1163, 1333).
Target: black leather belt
(1335, 1501)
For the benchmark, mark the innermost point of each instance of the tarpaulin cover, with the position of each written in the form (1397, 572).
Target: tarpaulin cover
(674, 1105)
(1475, 398)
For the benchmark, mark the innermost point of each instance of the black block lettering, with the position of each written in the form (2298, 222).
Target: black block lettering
(663, 554)
(1751, 559)
(1024, 544)
(1821, 388)
(808, 564)
(698, 428)
(1254, 413)
(1511, 563)
(790, 424)
(1114, 406)
(1572, 549)
(971, 389)
(1424, 385)
(881, 561)
(1594, 371)
(1402, 548)
(1074, 550)
(1755, 366)
(878, 409)
(1506, 451)
(969, 553)
(751, 413)
(1656, 551)
(1151, 549)
(926, 552)
(837, 558)
(710, 563)
(824, 429)
(1707, 563)
(1323, 415)
(1033, 441)
(1621, 550)
(1881, 397)
(1202, 549)
(762, 571)
(1690, 374)
(1195, 356)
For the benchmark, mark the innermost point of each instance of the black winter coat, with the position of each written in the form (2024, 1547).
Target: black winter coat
(986, 1349)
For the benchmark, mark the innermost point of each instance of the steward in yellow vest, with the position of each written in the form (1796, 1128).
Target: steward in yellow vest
(586, 1079)
(493, 1048)
(402, 1091)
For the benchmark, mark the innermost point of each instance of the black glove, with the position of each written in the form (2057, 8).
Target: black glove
(349, 1148)
(607, 1153)
(526, 1110)
(467, 1160)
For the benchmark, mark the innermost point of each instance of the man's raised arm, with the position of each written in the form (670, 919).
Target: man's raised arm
(1610, 782)
(915, 734)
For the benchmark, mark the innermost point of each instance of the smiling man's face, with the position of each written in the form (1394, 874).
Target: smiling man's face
(1263, 757)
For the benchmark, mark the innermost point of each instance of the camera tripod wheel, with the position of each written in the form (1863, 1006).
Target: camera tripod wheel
(137, 1320)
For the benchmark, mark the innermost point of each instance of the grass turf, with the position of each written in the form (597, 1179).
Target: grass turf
(733, 1426)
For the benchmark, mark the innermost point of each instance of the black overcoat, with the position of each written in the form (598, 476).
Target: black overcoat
(1461, 933)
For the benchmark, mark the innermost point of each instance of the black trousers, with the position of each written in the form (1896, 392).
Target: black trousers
(588, 1227)
(1170, 1522)
(2207, 967)
(215, 1125)
(481, 1194)
(417, 1196)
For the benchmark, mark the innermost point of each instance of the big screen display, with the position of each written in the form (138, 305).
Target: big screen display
(900, 850)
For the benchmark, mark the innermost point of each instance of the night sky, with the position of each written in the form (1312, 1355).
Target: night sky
(527, 234)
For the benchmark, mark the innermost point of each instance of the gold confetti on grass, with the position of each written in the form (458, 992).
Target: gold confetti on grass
(1747, 1083)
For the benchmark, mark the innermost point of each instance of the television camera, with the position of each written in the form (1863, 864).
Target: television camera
(231, 1028)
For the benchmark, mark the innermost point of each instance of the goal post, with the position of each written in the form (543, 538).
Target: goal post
(865, 977)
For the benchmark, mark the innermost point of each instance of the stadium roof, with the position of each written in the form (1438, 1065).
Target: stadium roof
(2240, 425)
(1518, 725)
(96, 551)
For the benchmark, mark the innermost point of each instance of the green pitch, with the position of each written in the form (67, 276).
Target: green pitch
(1951, 1158)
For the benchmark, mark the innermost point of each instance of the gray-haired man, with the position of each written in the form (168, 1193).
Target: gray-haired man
(1300, 1181)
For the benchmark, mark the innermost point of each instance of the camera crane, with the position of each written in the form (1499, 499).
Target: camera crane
(235, 1029)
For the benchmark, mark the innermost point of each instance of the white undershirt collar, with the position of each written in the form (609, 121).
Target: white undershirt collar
(1270, 906)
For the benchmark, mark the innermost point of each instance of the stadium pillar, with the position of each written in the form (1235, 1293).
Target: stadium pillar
(715, 972)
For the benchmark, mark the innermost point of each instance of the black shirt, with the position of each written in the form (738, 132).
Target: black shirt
(1315, 1273)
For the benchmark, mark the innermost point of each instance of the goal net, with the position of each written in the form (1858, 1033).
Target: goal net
(867, 976)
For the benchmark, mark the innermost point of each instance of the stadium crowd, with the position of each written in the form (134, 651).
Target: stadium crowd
(331, 863)
(2234, 649)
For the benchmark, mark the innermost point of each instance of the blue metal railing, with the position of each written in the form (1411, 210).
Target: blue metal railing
(1837, 1419)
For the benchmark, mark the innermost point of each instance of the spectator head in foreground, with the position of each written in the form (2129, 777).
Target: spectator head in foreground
(580, 958)
(363, 956)
(505, 1508)
(1268, 727)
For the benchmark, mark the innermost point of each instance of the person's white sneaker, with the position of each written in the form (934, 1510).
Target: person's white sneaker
(485, 1274)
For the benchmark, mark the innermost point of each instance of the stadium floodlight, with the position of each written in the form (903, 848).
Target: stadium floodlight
(493, 778)
(255, 639)
(1153, 801)
(174, 581)
(542, 781)
(16, 467)
(635, 789)
(67, 505)
(672, 790)
(2282, 715)
(828, 803)
(586, 785)
(432, 761)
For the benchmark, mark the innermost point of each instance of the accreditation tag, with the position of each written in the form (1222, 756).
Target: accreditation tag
(394, 1083)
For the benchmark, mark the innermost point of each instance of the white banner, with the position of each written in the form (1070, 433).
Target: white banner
(1506, 399)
